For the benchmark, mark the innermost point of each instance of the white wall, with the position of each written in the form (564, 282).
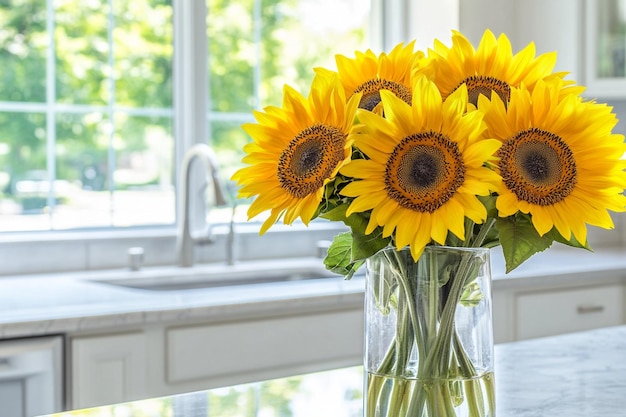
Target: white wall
(419, 20)
(432, 20)
(553, 25)
(475, 16)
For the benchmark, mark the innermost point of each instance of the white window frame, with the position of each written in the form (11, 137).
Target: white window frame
(394, 21)
(596, 87)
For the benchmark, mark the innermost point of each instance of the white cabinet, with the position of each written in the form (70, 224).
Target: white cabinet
(236, 352)
(31, 376)
(554, 312)
(170, 358)
(529, 311)
(108, 369)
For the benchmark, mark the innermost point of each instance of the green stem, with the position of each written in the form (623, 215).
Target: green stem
(433, 333)
(432, 300)
(482, 233)
(446, 325)
(396, 399)
(374, 386)
(490, 390)
(437, 362)
(397, 357)
(405, 287)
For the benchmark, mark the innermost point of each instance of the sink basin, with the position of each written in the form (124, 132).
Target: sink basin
(212, 276)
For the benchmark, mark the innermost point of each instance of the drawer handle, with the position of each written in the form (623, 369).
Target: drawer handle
(590, 309)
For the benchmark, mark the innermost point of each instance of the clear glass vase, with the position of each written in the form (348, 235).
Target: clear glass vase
(429, 334)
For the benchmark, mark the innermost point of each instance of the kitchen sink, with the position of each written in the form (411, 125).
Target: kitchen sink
(212, 276)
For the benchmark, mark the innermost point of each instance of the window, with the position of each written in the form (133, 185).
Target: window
(87, 97)
(86, 106)
(604, 52)
(95, 118)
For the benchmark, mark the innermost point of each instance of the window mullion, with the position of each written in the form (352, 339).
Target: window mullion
(190, 74)
(258, 34)
(190, 84)
(395, 25)
(110, 113)
(50, 111)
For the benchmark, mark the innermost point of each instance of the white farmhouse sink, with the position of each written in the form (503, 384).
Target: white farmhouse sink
(220, 275)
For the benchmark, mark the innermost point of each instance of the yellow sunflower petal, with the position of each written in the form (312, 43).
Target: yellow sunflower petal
(490, 67)
(557, 162)
(542, 221)
(368, 73)
(507, 204)
(296, 151)
(423, 187)
(397, 111)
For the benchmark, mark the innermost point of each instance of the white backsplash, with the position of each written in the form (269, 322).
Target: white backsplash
(74, 251)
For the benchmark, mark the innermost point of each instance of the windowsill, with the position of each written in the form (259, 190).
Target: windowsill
(86, 250)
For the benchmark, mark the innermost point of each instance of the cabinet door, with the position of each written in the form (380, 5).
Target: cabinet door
(31, 376)
(108, 369)
(555, 312)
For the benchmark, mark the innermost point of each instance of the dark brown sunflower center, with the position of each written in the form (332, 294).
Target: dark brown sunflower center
(424, 171)
(310, 158)
(371, 92)
(538, 167)
(481, 84)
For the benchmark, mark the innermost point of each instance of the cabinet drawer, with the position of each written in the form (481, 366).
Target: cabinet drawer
(240, 352)
(555, 312)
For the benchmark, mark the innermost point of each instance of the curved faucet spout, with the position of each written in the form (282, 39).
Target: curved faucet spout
(186, 241)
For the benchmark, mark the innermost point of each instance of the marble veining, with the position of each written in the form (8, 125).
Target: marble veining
(33, 305)
(575, 375)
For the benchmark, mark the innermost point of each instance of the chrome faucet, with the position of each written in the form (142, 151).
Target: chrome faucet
(186, 240)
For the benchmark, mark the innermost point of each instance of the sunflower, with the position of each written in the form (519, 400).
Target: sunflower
(425, 167)
(559, 161)
(297, 150)
(491, 67)
(367, 74)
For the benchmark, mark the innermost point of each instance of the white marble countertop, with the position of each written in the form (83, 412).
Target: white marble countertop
(73, 302)
(574, 375)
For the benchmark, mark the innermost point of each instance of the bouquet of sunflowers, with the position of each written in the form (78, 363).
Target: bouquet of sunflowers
(458, 147)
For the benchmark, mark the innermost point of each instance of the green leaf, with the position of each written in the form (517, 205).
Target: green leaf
(364, 246)
(339, 256)
(489, 201)
(356, 221)
(472, 295)
(337, 214)
(520, 240)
